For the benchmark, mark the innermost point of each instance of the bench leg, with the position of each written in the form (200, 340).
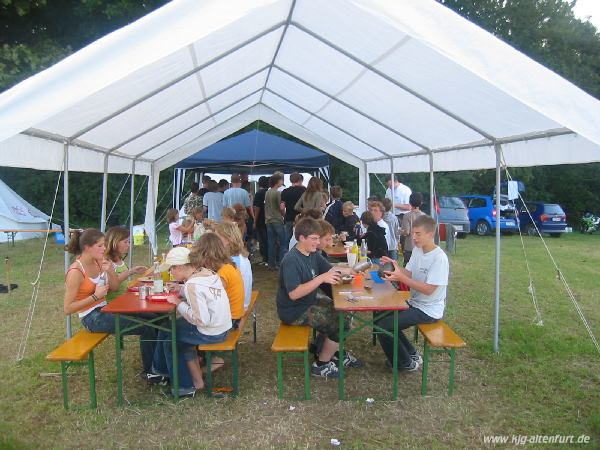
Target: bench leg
(280, 375)
(373, 332)
(254, 325)
(92, 377)
(235, 370)
(425, 367)
(451, 378)
(416, 333)
(306, 376)
(209, 380)
(65, 383)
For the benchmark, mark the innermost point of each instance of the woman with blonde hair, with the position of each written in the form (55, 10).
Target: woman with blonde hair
(117, 247)
(312, 196)
(232, 240)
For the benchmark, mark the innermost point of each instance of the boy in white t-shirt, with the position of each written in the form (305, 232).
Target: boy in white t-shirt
(426, 274)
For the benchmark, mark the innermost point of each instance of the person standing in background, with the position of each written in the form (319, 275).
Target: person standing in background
(416, 200)
(213, 202)
(290, 197)
(394, 226)
(193, 200)
(333, 211)
(205, 180)
(401, 195)
(274, 221)
(312, 197)
(235, 194)
(259, 214)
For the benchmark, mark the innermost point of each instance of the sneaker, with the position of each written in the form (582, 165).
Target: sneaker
(349, 360)
(417, 358)
(414, 365)
(186, 392)
(327, 370)
(154, 378)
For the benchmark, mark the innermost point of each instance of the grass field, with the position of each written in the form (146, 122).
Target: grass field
(545, 381)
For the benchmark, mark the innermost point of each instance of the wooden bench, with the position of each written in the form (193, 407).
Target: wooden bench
(439, 338)
(292, 340)
(229, 347)
(77, 351)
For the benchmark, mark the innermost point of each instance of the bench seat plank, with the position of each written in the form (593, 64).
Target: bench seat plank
(439, 334)
(78, 347)
(291, 338)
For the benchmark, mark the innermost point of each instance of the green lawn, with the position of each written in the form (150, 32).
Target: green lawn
(545, 381)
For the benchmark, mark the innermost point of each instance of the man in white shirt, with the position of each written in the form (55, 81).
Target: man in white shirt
(400, 198)
(378, 210)
(426, 274)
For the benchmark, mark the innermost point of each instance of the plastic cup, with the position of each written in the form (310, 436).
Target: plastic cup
(358, 280)
(351, 259)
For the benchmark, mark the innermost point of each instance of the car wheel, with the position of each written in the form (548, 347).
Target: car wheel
(482, 228)
(531, 231)
(555, 235)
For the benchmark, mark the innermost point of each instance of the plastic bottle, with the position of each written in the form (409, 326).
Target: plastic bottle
(355, 250)
(363, 251)
(157, 284)
(166, 276)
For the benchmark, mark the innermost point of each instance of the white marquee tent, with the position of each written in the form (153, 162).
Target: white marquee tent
(387, 86)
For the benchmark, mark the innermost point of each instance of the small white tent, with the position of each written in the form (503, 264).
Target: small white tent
(18, 214)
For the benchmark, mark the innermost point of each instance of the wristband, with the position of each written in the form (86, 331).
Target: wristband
(95, 297)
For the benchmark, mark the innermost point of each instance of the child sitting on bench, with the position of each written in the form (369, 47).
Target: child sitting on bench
(426, 274)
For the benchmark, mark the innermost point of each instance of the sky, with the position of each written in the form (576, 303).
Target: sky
(585, 8)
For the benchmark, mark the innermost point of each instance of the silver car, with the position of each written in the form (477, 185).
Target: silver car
(452, 210)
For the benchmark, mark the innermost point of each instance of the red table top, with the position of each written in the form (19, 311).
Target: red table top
(130, 303)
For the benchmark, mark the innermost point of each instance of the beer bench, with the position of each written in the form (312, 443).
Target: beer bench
(79, 350)
(439, 338)
(229, 347)
(292, 340)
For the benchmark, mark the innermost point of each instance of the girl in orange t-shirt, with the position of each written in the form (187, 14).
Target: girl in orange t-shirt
(87, 282)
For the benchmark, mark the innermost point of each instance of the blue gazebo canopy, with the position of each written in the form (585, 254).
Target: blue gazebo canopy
(257, 152)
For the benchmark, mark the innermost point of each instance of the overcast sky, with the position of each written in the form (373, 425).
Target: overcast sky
(585, 8)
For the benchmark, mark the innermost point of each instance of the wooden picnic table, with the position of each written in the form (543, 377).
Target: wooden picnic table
(381, 299)
(143, 313)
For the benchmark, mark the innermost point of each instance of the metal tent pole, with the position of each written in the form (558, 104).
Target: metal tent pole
(431, 186)
(393, 186)
(131, 206)
(498, 149)
(104, 194)
(66, 222)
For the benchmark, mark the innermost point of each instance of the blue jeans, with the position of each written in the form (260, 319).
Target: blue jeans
(407, 318)
(99, 322)
(276, 233)
(188, 337)
(261, 235)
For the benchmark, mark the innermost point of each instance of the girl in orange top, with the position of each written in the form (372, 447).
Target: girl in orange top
(212, 254)
(87, 282)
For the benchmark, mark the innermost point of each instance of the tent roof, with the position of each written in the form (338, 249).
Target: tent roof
(256, 151)
(382, 85)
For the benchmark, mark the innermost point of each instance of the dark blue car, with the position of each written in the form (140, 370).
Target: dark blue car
(482, 214)
(549, 218)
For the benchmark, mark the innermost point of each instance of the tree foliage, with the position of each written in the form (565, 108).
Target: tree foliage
(38, 33)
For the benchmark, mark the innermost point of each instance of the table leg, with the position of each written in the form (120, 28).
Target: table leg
(395, 359)
(118, 358)
(342, 322)
(174, 350)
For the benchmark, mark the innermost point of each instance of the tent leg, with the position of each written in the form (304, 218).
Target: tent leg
(393, 187)
(131, 206)
(104, 194)
(67, 259)
(431, 187)
(363, 187)
(498, 149)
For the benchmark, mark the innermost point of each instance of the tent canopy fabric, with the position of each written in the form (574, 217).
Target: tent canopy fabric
(255, 151)
(383, 85)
